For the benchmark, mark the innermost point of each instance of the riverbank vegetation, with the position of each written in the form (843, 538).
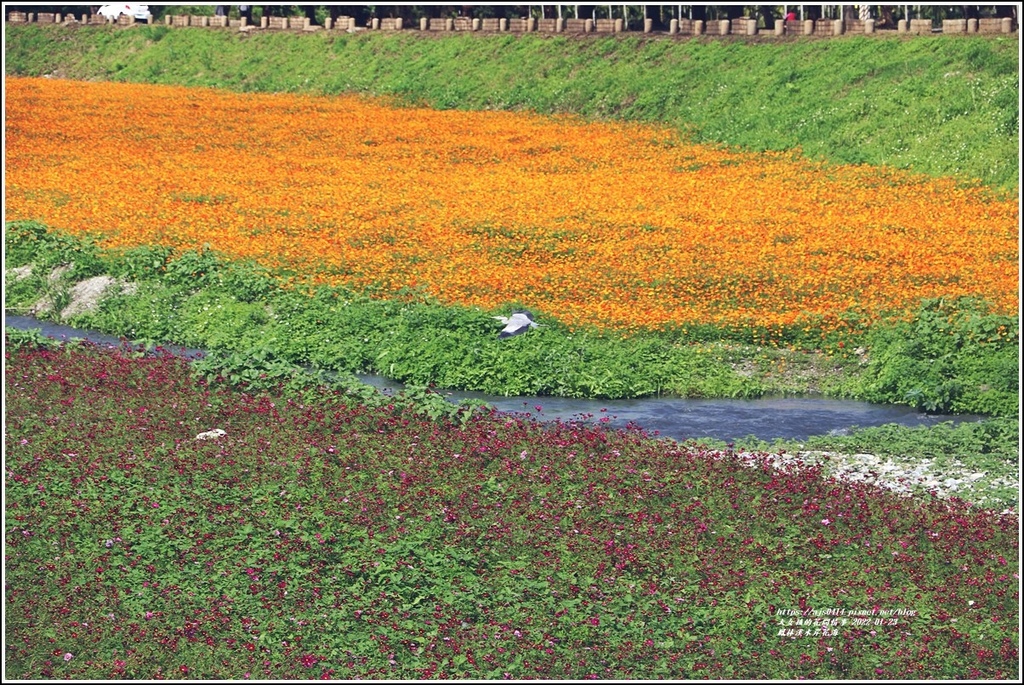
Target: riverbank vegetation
(328, 530)
(850, 293)
(405, 280)
(912, 303)
(300, 544)
(951, 356)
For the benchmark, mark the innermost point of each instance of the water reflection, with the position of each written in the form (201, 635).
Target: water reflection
(794, 418)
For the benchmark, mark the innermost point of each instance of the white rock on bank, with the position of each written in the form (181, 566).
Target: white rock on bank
(20, 272)
(83, 297)
(86, 295)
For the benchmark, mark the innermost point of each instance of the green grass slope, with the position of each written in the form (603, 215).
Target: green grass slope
(941, 105)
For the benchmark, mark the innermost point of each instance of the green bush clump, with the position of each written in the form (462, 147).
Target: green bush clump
(30, 242)
(140, 263)
(955, 355)
(23, 242)
(20, 294)
(31, 339)
(150, 314)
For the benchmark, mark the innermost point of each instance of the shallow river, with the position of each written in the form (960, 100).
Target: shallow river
(682, 419)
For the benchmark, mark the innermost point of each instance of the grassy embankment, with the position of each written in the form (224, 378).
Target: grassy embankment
(942, 106)
(838, 100)
(302, 544)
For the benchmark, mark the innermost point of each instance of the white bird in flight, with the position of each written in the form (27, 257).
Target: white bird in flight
(520, 322)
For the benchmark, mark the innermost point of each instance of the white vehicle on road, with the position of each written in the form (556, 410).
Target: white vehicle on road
(115, 11)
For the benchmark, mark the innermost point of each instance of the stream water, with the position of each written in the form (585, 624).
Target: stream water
(769, 418)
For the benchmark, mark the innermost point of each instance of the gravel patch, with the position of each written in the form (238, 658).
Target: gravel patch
(904, 477)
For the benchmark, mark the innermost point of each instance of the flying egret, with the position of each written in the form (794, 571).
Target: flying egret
(520, 322)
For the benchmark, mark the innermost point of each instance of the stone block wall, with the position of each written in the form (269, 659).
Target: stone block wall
(920, 27)
(744, 26)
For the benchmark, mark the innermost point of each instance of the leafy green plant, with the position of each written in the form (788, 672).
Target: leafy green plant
(254, 370)
(31, 242)
(58, 296)
(248, 281)
(20, 294)
(141, 263)
(22, 241)
(150, 313)
(953, 356)
(31, 338)
(260, 371)
(194, 268)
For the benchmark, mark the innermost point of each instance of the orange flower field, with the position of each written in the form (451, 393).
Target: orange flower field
(623, 226)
